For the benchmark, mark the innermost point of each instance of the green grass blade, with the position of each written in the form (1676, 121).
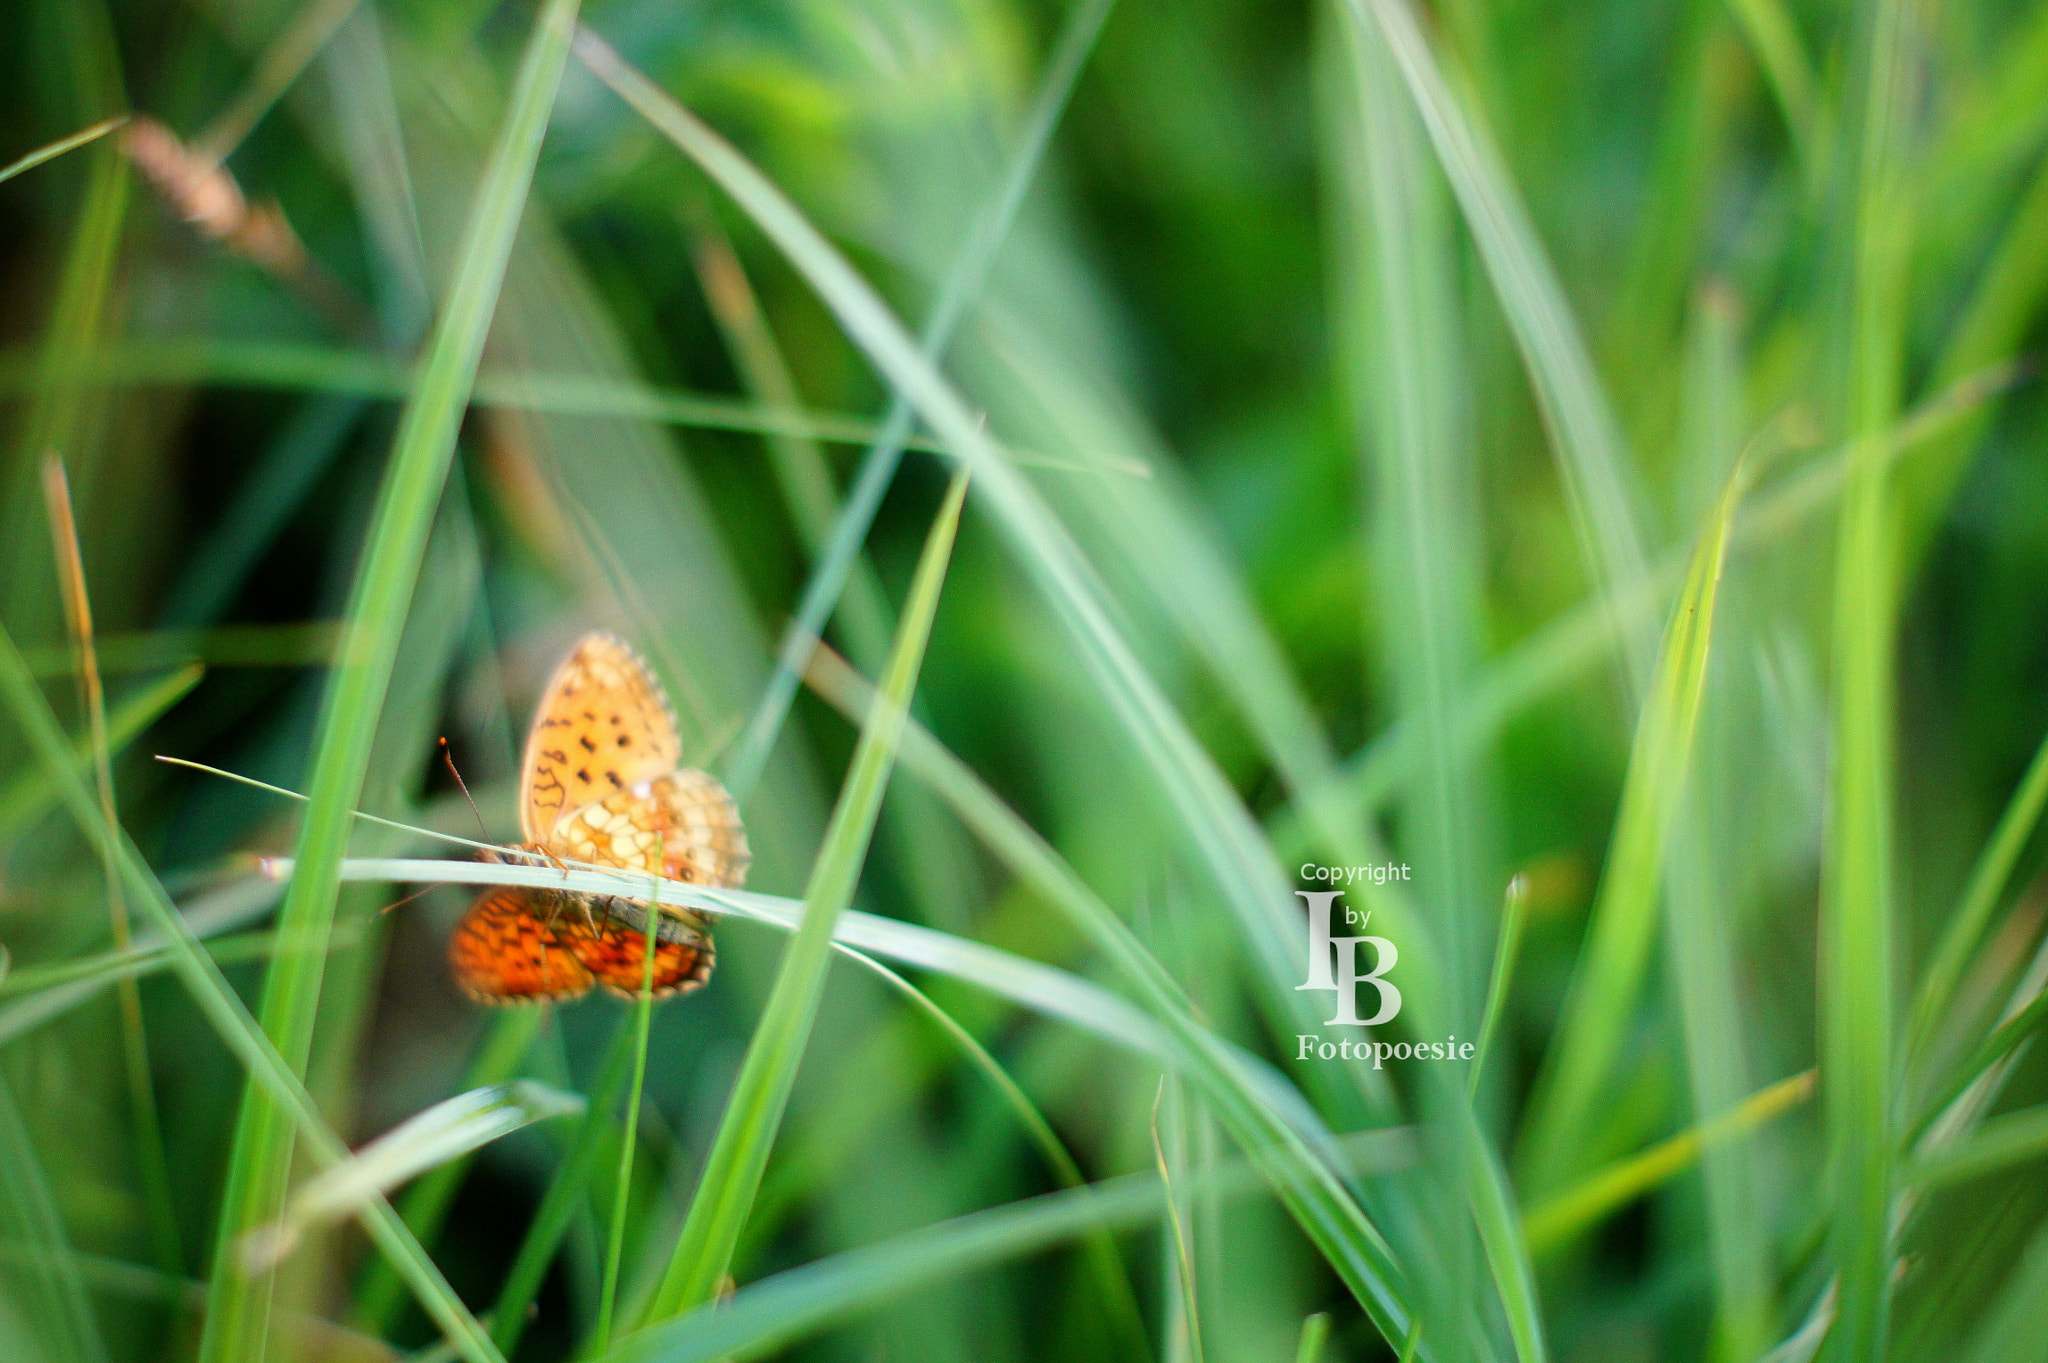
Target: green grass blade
(2000, 1143)
(222, 1007)
(629, 1133)
(1514, 917)
(1315, 1336)
(732, 1171)
(964, 280)
(1596, 471)
(1551, 1223)
(1619, 940)
(1856, 1043)
(59, 147)
(425, 442)
(31, 793)
(1770, 30)
(1118, 1299)
(1980, 900)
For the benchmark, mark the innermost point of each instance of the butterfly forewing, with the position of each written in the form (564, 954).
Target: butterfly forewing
(603, 725)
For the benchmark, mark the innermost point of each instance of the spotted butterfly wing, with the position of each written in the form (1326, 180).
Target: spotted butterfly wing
(603, 725)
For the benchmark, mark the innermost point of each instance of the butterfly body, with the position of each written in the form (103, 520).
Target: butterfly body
(601, 784)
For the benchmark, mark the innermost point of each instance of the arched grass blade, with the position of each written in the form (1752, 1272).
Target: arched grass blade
(427, 1140)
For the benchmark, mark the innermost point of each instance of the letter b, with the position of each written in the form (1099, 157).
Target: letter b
(1348, 980)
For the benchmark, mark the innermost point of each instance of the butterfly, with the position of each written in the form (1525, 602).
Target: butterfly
(601, 782)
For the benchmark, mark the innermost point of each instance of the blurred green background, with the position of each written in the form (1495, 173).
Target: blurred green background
(1380, 367)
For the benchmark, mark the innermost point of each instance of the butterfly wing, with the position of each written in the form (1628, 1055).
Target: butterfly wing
(505, 950)
(681, 825)
(603, 726)
(614, 951)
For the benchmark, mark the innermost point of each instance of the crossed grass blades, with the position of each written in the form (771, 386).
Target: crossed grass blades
(1585, 452)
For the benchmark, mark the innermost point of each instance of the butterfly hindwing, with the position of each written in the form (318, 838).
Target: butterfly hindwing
(506, 950)
(614, 951)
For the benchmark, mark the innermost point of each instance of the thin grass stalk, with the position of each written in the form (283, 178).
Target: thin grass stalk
(1551, 1223)
(622, 1186)
(1856, 875)
(1596, 473)
(1182, 1260)
(732, 1171)
(223, 1008)
(60, 146)
(237, 1308)
(1119, 1301)
(149, 1134)
(1508, 945)
(281, 64)
(1315, 1336)
(57, 1304)
(963, 281)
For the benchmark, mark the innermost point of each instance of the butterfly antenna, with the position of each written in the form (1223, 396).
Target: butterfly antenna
(449, 758)
(401, 903)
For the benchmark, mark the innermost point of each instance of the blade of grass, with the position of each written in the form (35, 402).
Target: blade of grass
(280, 65)
(1856, 870)
(31, 793)
(1183, 1260)
(259, 1163)
(108, 966)
(1596, 472)
(1315, 1336)
(1616, 955)
(222, 1007)
(1514, 917)
(425, 1205)
(732, 1171)
(2003, 1141)
(622, 1186)
(449, 1130)
(1556, 1220)
(60, 146)
(1768, 26)
(1980, 900)
(963, 281)
(142, 1109)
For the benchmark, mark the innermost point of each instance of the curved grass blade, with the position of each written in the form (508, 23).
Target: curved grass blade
(732, 1171)
(1115, 1285)
(445, 1132)
(237, 1307)
(55, 1301)
(2001, 1142)
(1980, 900)
(1617, 952)
(425, 1205)
(223, 1008)
(60, 146)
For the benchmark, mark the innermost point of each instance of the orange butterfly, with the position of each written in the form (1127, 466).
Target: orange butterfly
(601, 784)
